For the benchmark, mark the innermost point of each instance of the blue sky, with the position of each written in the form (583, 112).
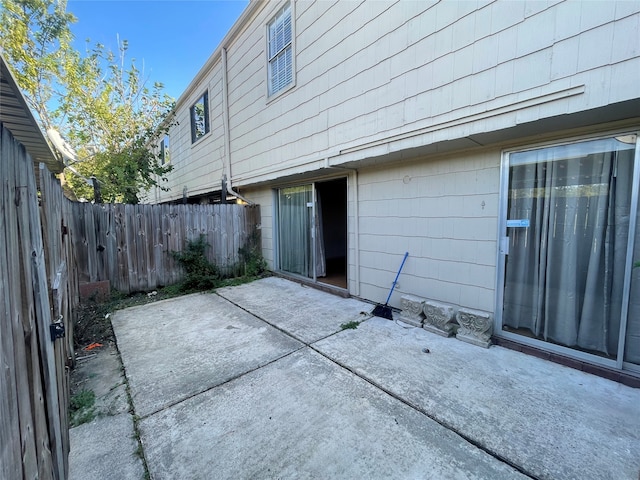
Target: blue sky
(173, 37)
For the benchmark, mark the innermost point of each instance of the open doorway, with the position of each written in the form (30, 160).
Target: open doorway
(331, 198)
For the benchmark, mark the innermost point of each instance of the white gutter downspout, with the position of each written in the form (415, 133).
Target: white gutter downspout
(226, 166)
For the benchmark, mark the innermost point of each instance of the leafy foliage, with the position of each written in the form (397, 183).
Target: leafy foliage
(201, 274)
(97, 99)
(36, 37)
(251, 256)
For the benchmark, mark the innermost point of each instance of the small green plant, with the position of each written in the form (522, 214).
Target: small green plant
(81, 407)
(201, 274)
(251, 256)
(352, 325)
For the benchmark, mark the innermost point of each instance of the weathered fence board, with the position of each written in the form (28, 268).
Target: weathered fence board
(37, 287)
(131, 245)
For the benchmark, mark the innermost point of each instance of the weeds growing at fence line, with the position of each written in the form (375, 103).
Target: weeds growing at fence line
(82, 408)
(201, 274)
(251, 256)
(92, 321)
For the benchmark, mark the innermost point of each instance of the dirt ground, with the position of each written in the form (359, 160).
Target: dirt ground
(97, 385)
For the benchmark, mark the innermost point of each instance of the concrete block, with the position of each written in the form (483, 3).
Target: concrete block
(438, 318)
(476, 327)
(411, 310)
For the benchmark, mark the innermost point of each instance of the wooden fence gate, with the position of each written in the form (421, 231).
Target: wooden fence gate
(34, 388)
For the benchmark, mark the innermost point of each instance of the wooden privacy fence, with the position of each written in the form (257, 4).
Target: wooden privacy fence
(131, 245)
(37, 294)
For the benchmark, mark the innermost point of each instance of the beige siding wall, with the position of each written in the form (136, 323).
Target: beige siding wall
(197, 166)
(369, 71)
(401, 75)
(442, 210)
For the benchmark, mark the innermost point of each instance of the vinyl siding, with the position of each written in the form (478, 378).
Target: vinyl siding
(432, 208)
(444, 213)
(371, 71)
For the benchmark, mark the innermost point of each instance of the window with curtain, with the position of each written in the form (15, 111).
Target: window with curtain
(568, 224)
(280, 46)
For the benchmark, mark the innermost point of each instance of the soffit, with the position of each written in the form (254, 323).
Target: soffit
(17, 117)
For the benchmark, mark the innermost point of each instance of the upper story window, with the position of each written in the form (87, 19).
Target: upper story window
(200, 117)
(280, 50)
(165, 155)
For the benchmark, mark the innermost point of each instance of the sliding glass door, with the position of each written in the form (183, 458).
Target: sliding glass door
(295, 228)
(312, 231)
(569, 221)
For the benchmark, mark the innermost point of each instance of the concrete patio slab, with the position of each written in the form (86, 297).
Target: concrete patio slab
(303, 312)
(553, 421)
(105, 448)
(305, 417)
(177, 348)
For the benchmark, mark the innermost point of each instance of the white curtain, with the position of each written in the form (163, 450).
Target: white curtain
(564, 273)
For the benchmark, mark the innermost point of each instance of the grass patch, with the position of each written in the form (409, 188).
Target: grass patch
(82, 408)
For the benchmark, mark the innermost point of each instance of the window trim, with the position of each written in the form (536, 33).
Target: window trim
(269, 94)
(165, 153)
(205, 100)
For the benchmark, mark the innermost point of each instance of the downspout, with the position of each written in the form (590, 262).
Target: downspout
(226, 166)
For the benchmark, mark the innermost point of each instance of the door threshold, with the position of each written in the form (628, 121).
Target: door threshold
(625, 377)
(325, 287)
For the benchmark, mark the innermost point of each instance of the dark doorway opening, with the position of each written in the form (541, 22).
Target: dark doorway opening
(332, 215)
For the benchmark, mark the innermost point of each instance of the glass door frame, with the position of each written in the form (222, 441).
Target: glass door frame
(313, 228)
(503, 246)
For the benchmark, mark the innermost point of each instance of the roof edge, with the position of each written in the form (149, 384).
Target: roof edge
(18, 118)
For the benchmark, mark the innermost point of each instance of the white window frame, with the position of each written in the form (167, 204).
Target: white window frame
(280, 51)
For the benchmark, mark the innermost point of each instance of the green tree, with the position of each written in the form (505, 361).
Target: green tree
(36, 38)
(97, 99)
(116, 119)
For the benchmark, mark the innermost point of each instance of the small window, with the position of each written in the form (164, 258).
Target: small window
(280, 51)
(200, 118)
(165, 154)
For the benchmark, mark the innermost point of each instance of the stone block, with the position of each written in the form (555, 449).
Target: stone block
(438, 318)
(411, 310)
(476, 327)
